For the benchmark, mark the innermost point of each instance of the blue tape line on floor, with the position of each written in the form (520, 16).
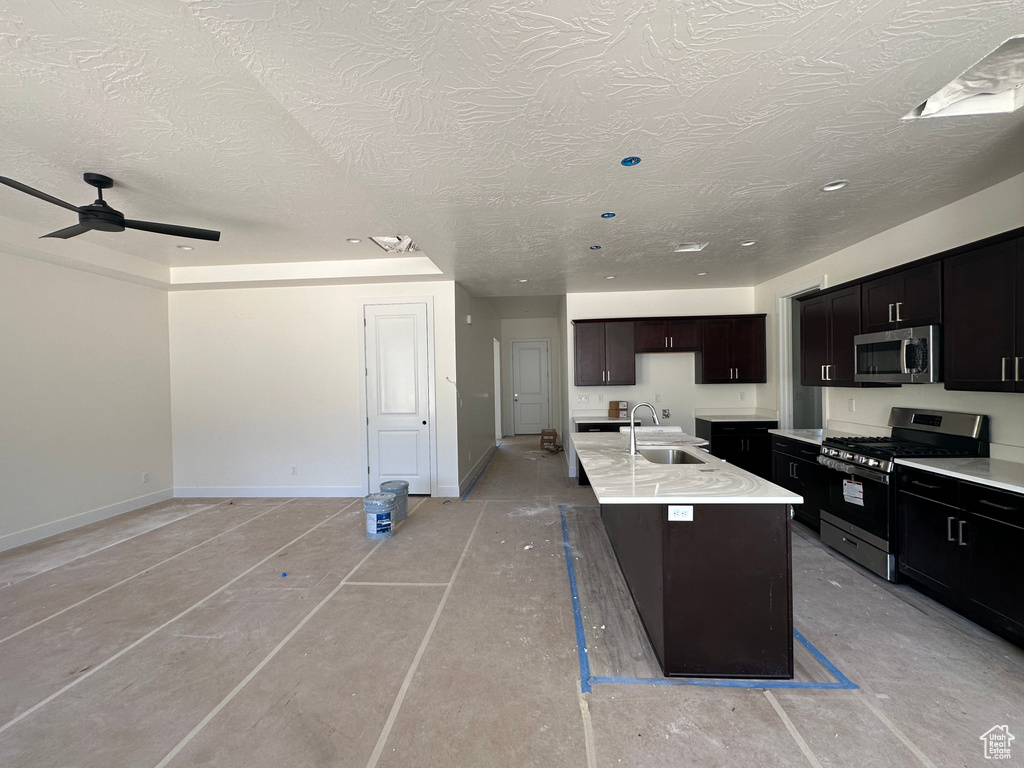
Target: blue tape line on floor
(587, 682)
(581, 640)
(481, 472)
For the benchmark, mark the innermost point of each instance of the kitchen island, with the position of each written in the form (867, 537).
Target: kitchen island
(705, 551)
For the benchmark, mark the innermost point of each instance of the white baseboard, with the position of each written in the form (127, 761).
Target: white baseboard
(273, 492)
(473, 473)
(29, 535)
(448, 490)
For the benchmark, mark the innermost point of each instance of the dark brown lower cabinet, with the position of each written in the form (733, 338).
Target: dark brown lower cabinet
(795, 467)
(745, 444)
(715, 593)
(960, 543)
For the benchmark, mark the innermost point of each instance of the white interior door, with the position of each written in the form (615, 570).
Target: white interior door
(530, 387)
(397, 395)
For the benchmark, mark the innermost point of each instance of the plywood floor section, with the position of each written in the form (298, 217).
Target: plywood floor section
(171, 636)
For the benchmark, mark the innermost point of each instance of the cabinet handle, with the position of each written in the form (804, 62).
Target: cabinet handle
(960, 534)
(823, 373)
(850, 541)
(890, 313)
(1016, 368)
(671, 342)
(828, 372)
(988, 503)
(792, 470)
(949, 528)
(924, 485)
(898, 305)
(666, 342)
(1004, 367)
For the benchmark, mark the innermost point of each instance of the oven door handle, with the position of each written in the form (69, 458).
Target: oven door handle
(853, 469)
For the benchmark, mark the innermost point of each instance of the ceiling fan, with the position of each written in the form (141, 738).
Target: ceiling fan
(102, 217)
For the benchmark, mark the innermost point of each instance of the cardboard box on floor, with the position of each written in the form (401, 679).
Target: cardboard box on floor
(548, 437)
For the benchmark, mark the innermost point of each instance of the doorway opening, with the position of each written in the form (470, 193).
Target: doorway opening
(800, 407)
(531, 386)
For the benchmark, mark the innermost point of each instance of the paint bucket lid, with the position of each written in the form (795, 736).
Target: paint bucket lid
(395, 486)
(380, 500)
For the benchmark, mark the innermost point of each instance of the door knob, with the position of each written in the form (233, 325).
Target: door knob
(424, 423)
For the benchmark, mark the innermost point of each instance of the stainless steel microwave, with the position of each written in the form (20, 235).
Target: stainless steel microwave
(903, 356)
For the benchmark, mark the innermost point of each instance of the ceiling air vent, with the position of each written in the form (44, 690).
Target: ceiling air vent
(991, 86)
(396, 244)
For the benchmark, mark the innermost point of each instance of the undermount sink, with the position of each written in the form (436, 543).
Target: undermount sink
(666, 455)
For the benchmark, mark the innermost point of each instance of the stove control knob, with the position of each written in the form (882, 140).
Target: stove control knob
(874, 463)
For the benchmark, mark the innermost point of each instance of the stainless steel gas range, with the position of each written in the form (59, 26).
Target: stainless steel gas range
(858, 517)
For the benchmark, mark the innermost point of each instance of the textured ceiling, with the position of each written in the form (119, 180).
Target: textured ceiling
(491, 132)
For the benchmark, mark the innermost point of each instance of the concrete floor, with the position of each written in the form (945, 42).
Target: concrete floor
(169, 636)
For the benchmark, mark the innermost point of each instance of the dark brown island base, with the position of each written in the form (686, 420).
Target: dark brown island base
(715, 592)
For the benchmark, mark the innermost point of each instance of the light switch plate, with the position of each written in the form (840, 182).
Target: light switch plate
(680, 513)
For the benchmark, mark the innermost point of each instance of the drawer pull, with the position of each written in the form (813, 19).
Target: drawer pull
(850, 541)
(925, 485)
(1003, 507)
(949, 528)
(960, 534)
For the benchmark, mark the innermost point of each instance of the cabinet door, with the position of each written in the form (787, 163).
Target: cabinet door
(920, 297)
(757, 455)
(813, 486)
(1019, 354)
(813, 341)
(747, 347)
(927, 532)
(979, 310)
(878, 303)
(993, 539)
(684, 335)
(784, 472)
(715, 355)
(844, 317)
(589, 354)
(728, 448)
(620, 352)
(652, 336)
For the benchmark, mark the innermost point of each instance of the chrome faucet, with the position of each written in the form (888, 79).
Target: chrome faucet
(632, 425)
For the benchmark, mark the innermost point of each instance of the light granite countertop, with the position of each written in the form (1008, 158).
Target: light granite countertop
(599, 420)
(618, 478)
(813, 436)
(996, 473)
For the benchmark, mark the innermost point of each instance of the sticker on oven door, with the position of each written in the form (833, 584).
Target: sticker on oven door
(853, 492)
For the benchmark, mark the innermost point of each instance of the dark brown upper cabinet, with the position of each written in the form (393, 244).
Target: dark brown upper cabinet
(983, 301)
(904, 299)
(668, 334)
(605, 352)
(828, 323)
(732, 350)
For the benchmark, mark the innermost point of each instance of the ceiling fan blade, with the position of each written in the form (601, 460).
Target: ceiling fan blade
(67, 232)
(172, 229)
(36, 193)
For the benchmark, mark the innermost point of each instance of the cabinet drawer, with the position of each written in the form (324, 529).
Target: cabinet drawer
(744, 428)
(795, 448)
(600, 426)
(926, 485)
(993, 503)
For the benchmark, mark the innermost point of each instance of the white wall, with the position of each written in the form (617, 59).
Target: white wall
(86, 401)
(994, 210)
(263, 379)
(474, 348)
(531, 329)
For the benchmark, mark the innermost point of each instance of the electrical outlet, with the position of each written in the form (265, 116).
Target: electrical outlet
(657, 398)
(600, 398)
(582, 399)
(678, 513)
(743, 395)
(295, 470)
(145, 477)
(665, 414)
(851, 405)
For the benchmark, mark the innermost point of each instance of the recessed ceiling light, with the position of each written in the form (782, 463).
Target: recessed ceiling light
(701, 274)
(186, 248)
(595, 247)
(748, 243)
(690, 247)
(832, 186)
(631, 160)
(609, 277)
(608, 215)
(354, 240)
(523, 280)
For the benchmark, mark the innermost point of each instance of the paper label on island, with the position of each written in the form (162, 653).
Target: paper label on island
(853, 492)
